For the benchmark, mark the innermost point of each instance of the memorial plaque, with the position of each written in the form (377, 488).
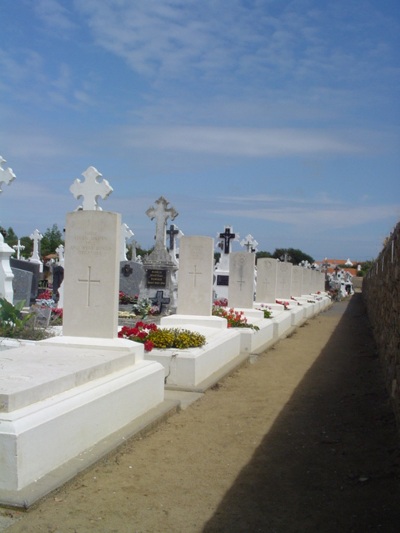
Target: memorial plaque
(223, 280)
(156, 277)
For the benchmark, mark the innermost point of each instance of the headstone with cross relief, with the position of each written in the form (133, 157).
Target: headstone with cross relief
(91, 264)
(241, 280)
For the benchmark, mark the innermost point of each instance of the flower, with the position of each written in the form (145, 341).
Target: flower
(138, 333)
(236, 319)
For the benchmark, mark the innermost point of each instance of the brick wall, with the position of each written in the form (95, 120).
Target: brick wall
(381, 294)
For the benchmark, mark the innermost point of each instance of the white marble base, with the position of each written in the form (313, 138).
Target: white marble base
(189, 369)
(57, 403)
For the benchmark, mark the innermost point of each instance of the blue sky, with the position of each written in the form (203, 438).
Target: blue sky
(278, 118)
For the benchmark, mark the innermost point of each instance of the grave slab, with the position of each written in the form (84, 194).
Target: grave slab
(50, 394)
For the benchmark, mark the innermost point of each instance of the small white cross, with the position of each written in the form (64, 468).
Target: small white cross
(60, 253)
(6, 174)
(36, 237)
(91, 189)
(18, 248)
(126, 234)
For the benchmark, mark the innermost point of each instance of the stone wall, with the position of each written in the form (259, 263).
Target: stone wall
(381, 293)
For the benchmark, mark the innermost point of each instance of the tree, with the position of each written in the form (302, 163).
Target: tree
(296, 256)
(51, 241)
(262, 255)
(11, 238)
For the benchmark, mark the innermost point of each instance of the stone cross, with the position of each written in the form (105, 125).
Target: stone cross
(126, 234)
(91, 189)
(18, 248)
(6, 175)
(226, 237)
(36, 237)
(249, 243)
(161, 212)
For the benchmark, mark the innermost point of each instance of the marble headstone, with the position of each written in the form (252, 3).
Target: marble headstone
(241, 280)
(266, 280)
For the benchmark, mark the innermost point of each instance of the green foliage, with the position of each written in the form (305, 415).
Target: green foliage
(180, 339)
(12, 321)
(297, 256)
(28, 243)
(51, 241)
(262, 255)
(10, 237)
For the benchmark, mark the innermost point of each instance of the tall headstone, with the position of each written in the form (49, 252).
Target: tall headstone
(92, 249)
(36, 237)
(196, 260)
(221, 273)
(306, 280)
(241, 280)
(126, 234)
(91, 281)
(6, 275)
(284, 279)
(266, 280)
(160, 269)
(297, 281)
(249, 243)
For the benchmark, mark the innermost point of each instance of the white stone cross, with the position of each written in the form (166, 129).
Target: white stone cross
(249, 243)
(126, 234)
(6, 174)
(18, 248)
(36, 237)
(161, 212)
(91, 189)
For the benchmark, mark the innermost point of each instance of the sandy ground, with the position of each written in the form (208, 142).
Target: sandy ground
(302, 439)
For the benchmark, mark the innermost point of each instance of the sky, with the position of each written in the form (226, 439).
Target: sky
(279, 118)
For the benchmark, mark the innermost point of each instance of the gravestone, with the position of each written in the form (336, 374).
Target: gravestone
(34, 268)
(6, 275)
(266, 280)
(249, 243)
(284, 279)
(159, 268)
(126, 234)
(35, 257)
(195, 282)
(241, 280)
(22, 286)
(297, 281)
(307, 281)
(131, 275)
(221, 273)
(91, 281)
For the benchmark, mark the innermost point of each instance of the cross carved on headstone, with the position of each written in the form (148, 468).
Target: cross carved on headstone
(89, 280)
(227, 236)
(161, 212)
(6, 174)
(195, 274)
(91, 189)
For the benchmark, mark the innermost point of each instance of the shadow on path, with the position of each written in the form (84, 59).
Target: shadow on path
(331, 460)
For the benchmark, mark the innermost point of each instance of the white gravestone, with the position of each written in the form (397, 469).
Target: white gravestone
(284, 280)
(297, 281)
(306, 281)
(36, 236)
(126, 234)
(91, 280)
(249, 243)
(196, 260)
(266, 280)
(6, 275)
(19, 248)
(241, 280)
(91, 189)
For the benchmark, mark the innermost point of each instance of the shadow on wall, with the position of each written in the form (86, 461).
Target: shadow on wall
(327, 463)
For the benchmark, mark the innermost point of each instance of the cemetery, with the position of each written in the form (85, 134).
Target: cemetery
(88, 378)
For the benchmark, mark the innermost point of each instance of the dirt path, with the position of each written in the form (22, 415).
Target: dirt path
(301, 440)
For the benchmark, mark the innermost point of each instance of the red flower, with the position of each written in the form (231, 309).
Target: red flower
(148, 346)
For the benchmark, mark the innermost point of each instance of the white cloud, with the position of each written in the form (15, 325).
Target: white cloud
(247, 142)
